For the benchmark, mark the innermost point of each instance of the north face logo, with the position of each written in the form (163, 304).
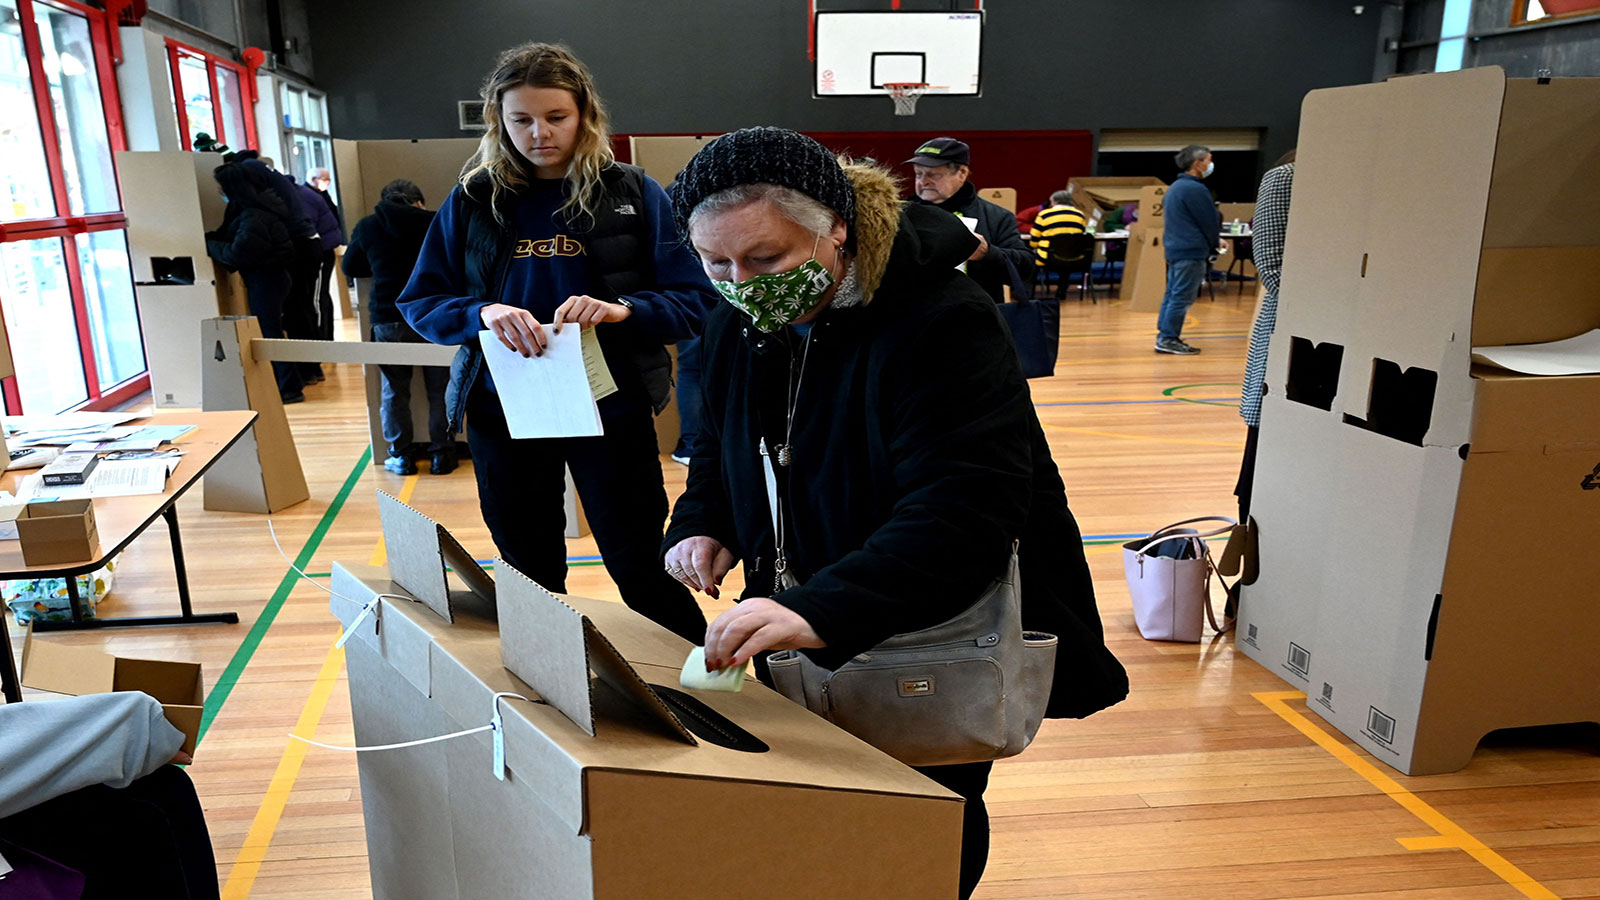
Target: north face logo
(627, 209)
(1591, 481)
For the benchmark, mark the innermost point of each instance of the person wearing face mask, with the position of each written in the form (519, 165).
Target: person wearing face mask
(547, 231)
(903, 474)
(1193, 233)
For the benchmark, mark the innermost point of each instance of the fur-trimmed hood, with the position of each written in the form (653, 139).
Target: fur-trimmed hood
(877, 221)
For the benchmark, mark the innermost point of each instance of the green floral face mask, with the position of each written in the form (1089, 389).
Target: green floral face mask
(773, 301)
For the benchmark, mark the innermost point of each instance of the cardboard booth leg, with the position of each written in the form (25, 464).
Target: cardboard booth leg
(262, 472)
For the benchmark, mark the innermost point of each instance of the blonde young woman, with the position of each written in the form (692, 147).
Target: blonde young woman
(547, 230)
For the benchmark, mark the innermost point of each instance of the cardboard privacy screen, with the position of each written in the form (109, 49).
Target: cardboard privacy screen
(553, 647)
(420, 550)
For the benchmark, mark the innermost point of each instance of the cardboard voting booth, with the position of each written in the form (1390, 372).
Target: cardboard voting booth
(172, 200)
(1421, 517)
(1144, 277)
(616, 784)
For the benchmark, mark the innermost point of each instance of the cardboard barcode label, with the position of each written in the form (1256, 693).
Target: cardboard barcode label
(1299, 659)
(1381, 726)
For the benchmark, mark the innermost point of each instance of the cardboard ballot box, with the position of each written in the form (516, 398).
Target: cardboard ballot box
(610, 791)
(1420, 518)
(65, 669)
(59, 531)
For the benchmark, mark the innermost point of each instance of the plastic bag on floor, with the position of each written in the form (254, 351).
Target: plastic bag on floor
(45, 599)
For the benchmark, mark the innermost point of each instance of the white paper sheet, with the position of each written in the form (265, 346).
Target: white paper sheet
(115, 478)
(544, 396)
(1574, 356)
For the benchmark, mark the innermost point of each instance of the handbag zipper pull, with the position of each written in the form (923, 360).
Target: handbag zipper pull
(780, 566)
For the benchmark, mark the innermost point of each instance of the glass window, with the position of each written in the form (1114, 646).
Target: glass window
(44, 336)
(231, 103)
(113, 316)
(23, 171)
(68, 55)
(314, 112)
(300, 158)
(293, 108)
(196, 88)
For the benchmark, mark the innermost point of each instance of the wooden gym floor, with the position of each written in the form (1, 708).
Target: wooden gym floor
(1211, 781)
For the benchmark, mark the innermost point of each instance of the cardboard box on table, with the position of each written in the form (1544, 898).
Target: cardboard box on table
(65, 669)
(1420, 518)
(57, 532)
(609, 792)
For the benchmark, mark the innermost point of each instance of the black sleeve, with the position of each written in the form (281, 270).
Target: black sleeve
(958, 438)
(704, 509)
(355, 263)
(250, 245)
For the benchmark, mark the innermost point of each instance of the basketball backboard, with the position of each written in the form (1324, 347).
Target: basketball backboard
(859, 51)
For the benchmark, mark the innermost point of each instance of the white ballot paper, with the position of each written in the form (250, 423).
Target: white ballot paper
(544, 396)
(111, 478)
(1574, 356)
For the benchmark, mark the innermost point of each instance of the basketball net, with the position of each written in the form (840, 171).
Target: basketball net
(904, 95)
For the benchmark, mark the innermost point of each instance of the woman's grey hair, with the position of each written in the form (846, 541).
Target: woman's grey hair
(809, 214)
(1190, 155)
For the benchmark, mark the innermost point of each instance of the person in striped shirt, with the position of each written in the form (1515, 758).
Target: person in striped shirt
(1061, 217)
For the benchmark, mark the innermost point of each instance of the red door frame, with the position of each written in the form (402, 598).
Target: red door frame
(64, 225)
(247, 111)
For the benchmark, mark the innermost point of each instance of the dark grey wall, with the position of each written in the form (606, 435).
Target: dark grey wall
(708, 66)
(1569, 48)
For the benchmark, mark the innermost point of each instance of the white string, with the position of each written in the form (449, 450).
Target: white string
(366, 608)
(494, 726)
(400, 746)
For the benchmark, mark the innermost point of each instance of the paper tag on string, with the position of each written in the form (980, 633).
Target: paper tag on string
(601, 384)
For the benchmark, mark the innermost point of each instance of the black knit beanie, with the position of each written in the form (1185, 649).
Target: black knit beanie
(764, 155)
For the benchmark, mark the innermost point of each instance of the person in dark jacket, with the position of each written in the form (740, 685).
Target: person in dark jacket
(324, 215)
(942, 167)
(904, 480)
(546, 229)
(299, 306)
(254, 241)
(384, 247)
(1192, 232)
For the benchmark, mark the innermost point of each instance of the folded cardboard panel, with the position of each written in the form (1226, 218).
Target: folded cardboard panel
(621, 813)
(1294, 481)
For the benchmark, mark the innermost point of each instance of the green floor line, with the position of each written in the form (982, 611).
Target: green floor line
(258, 631)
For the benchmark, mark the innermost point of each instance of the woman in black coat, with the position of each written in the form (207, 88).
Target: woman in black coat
(910, 457)
(254, 241)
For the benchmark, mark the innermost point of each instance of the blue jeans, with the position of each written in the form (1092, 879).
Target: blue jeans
(688, 396)
(394, 410)
(1183, 286)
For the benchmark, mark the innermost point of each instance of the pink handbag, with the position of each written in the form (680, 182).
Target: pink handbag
(1169, 579)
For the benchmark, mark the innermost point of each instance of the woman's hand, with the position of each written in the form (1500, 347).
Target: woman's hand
(755, 625)
(700, 563)
(587, 311)
(516, 328)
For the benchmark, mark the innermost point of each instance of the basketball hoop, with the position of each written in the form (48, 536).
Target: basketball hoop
(905, 94)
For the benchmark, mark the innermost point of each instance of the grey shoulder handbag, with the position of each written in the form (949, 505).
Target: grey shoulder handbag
(971, 689)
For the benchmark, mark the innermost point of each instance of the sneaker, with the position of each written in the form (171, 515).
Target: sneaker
(443, 463)
(296, 397)
(680, 460)
(400, 465)
(1175, 346)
